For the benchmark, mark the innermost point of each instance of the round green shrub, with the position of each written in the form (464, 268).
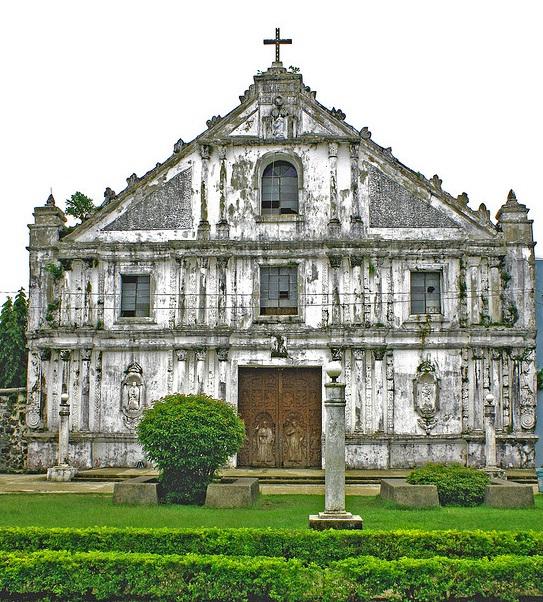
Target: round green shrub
(188, 437)
(457, 485)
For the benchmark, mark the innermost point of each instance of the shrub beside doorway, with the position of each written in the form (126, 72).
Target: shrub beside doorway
(188, 437)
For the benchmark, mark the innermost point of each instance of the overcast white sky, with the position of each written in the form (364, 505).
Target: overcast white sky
(93, 91)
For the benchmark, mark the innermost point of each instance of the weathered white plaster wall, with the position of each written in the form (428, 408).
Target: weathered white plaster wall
(354, 258)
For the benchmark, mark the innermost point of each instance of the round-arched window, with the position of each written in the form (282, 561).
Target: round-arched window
(279, 189)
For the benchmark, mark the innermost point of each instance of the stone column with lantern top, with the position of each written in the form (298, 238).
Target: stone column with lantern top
(491, 467)
(334, 516)
(63, 471)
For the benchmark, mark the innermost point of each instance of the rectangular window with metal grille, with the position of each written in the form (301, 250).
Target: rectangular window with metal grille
(425, 292)
(278, 291)
(135, 296)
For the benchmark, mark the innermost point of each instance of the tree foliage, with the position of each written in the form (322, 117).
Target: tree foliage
(80, 206)
(189, 437)
(13, 353)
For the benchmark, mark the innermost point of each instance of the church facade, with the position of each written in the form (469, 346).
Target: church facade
(279, 239)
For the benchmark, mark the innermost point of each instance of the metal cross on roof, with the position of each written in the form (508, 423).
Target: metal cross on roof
(277, 41)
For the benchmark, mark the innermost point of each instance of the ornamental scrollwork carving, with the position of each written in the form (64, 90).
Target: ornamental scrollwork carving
(426, 395)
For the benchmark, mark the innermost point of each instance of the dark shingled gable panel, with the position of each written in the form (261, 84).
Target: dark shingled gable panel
(168, 208)
(392, 206)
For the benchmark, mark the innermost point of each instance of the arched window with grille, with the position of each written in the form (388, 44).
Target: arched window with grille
(280, 189)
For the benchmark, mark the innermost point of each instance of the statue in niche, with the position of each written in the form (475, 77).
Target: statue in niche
(426, 396)
(132, 396)
(294, 438)
(279, 118)
(279, 346)
(264, 438)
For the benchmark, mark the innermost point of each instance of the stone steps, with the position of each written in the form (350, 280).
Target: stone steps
(285, 476)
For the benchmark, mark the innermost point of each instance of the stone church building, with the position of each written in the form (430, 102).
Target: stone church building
(279, 239)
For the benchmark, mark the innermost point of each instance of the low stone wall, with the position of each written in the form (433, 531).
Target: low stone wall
(507, 494)
(499, 494)
(13, 444)
(140, 491)
(404, 494)
(240, 493)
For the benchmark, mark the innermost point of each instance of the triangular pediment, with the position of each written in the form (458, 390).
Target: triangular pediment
(392, 205)
(166, 208)
(279, 106)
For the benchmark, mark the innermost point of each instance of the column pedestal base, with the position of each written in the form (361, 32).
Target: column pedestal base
(335, 520)
(61, 473)
(494, 472)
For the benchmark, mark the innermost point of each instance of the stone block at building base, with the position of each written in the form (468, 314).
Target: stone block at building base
(241, 493)
(61, 473)
(404, 494)
(335, 520)
(138, 492)
(506, 494)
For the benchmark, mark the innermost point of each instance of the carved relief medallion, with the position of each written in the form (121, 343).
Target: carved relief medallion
(132, 394)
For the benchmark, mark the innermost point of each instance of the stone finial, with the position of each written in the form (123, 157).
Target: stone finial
(178, 145)
(132, 179)
(484, 212)
(436, 181)
(109, 194)
(513, 220)
(338, 114)
(512, 197)
(365, 133)
(388, 151)
(50, 202)
(213, 121)
(463, 199)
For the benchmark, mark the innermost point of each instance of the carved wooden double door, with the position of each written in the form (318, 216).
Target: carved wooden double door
(282, 411)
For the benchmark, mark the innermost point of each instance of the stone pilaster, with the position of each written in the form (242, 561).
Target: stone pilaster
(334, 225)
(181, 356)
(203, 226)
(222, 356)
(223, 229)
(86, 355)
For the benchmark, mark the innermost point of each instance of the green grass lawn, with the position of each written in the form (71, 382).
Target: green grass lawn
(277, 511)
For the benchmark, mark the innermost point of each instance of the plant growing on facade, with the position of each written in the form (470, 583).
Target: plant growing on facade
(188, 437)
(55, 270)
(80, 206)
(52, 313)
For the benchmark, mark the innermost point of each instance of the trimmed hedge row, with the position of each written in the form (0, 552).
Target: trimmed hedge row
(320, 547)
(505, 578)
(113, 576)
